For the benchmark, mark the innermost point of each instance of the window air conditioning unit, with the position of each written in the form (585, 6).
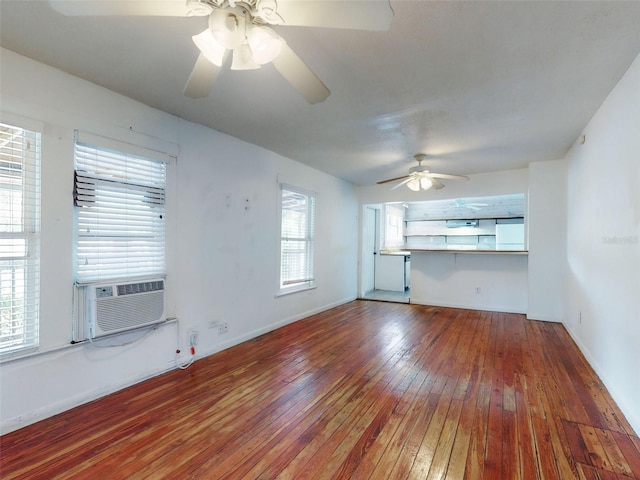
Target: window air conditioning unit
(115, 308)
(461, 223)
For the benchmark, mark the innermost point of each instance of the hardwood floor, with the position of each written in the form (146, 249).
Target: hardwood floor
(368, 390)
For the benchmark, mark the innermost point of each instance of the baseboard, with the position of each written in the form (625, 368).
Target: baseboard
(629, 415)
(273, 326)
(12, 424)
(487, 308)
(543, 318)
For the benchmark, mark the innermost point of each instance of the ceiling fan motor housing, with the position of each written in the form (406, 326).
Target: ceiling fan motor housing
(418, 169)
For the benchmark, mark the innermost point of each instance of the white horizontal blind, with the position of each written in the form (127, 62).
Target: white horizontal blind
(120, 209)
(297, 239)
(19, 238)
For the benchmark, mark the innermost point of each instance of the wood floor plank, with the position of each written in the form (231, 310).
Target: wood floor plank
(628, 449)
(524, 430)
(368, 390)
(545, 458)
(478, 446)
(614, 454)
(595, 450)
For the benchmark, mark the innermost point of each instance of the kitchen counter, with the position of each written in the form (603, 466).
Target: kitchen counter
(395, 252)
(471, 249)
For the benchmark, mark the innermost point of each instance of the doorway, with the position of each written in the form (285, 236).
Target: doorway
(370, 244)
(371, 241)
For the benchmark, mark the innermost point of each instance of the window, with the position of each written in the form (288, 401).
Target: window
(19, 238)
(393, 228)
(120, 210)
(296, 240)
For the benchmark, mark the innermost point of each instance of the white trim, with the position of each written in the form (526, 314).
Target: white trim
(22, 122)
(10, 424)
(489, 308)
(295, 289)
(275, 325)
(628, 412)
(543, 317)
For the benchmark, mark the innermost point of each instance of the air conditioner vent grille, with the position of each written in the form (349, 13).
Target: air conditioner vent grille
(119, 313)
(142, 287)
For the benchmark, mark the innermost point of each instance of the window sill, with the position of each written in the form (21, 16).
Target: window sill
(288, 291)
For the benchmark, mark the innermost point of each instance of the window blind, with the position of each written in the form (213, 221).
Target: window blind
(19, 238)
(120, 209)
(297, 239)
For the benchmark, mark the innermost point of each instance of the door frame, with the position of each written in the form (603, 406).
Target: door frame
(370, 237)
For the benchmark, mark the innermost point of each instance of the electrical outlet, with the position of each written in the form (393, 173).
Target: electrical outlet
(193, 338)
(223, 327)
(213, 323)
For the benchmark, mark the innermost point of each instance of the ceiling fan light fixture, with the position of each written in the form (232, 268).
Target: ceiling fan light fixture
(210, 48)
(265, 44)
(198, 8)
(243, 58)
(228, 27)
(414, 184)
(426, 183)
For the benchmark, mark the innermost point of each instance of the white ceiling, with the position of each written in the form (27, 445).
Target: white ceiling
(479, 86)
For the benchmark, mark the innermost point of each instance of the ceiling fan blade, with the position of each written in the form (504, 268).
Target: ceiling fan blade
(352, 14)
(392, 179)
(298, 74)
(202, 77)
(164, 8)
(437, 184)
(402, 183)
(448, 177)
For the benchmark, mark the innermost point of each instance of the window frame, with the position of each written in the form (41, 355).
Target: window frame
(309, 238)
(29, 231)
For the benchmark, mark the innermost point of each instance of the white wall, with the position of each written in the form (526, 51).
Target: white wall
(603, 243)
(222, 241)
(492, 282)
(547, 221)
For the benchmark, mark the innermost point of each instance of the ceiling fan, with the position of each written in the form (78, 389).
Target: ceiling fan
(243, 27)
(421, 178)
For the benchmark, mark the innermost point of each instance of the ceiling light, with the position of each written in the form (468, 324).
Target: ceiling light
(426, 183)
(228, 27)
(414, 184)
(212, 50)
(243, 58)
(265, 44)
